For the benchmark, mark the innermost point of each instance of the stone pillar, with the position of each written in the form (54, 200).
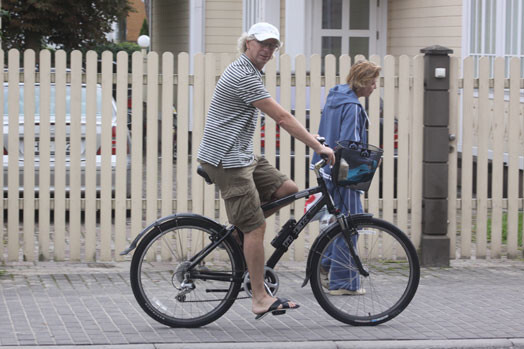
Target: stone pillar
(435, 243)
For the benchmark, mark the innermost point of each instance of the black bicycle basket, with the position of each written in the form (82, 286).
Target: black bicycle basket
(355, 164)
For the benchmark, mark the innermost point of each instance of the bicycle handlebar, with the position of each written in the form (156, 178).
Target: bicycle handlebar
(321, 163)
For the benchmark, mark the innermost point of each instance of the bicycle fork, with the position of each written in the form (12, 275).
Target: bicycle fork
(349, 230)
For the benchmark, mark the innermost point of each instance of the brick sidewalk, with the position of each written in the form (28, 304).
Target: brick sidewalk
(92, 304)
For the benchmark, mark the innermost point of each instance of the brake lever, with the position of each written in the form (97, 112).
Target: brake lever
(322, 140)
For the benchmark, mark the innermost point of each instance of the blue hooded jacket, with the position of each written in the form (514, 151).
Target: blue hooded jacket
(343, 118)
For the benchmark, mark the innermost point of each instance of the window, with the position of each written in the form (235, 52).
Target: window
(346, 27)
(495, 29)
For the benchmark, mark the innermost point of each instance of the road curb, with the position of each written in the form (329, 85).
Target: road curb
(436, 344)
(494, 343)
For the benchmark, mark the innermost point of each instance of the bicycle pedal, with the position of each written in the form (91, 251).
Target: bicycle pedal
(278, 312)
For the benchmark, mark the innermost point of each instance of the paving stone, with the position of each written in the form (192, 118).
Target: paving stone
(77, 304)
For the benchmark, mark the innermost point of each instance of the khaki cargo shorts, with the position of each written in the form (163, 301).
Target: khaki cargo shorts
(244, 189)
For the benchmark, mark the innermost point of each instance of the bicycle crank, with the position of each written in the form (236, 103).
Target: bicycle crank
(271, 282)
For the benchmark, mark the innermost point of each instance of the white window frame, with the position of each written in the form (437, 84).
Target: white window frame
(255, 11)
(499, 21)
(197, 30)
(377, 28)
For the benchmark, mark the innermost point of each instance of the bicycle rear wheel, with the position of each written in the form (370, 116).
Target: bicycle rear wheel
(389, 257)
(169, 292)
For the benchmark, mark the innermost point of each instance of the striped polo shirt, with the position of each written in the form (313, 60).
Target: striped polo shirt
(231, 121)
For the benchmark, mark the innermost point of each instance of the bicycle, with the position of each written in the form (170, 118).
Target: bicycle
(188, 269)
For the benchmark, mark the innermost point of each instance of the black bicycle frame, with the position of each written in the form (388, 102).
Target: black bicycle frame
(325, 200)
(196, 259)
(301, 224)
(279, 252)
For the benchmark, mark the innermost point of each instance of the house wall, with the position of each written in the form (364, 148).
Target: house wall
(283, 25)
(415, 24)
(170, 27)
(135, 20)
(223, 25)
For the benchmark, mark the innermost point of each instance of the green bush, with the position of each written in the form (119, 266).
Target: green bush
(128, 47)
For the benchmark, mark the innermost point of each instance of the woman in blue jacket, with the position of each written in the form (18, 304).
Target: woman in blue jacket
(344, 118)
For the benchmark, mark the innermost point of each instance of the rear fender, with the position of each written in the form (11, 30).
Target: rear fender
(178, 219)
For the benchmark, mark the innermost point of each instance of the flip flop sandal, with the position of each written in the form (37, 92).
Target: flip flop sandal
(275, 310)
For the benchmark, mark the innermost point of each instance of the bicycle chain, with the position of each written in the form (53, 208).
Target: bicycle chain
(215, 300)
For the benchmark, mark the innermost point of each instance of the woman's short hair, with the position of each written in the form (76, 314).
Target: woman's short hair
(362, 73)
(241, 45)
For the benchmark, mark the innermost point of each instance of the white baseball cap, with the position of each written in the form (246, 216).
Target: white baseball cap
(263, 31)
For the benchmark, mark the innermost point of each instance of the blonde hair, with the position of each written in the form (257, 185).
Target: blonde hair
(362, 73)
(244, 38)
(241, 43)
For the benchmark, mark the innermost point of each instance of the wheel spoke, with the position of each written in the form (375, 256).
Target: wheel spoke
(389, 257)
(168, 245)
(172, 294)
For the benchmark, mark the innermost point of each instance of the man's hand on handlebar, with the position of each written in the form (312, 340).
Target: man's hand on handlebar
(327, 153)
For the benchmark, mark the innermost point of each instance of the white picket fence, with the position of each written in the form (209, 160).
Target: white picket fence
(98, 228)
(489, 135)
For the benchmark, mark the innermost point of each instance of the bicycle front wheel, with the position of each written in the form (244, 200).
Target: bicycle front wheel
(387, 255)
(170, 292)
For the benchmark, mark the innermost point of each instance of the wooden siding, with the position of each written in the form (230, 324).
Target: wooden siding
(415, 24)
(170, 27)
(223, 25)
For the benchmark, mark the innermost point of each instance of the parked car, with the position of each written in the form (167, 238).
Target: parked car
(36, 150)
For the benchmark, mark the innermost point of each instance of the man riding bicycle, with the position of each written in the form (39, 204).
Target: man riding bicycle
(226, 153)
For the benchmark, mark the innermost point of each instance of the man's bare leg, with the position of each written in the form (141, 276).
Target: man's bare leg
(254, 253)
(287, 188)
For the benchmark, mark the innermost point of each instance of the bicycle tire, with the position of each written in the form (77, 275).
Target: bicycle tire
(156, 273)
(389, 257)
